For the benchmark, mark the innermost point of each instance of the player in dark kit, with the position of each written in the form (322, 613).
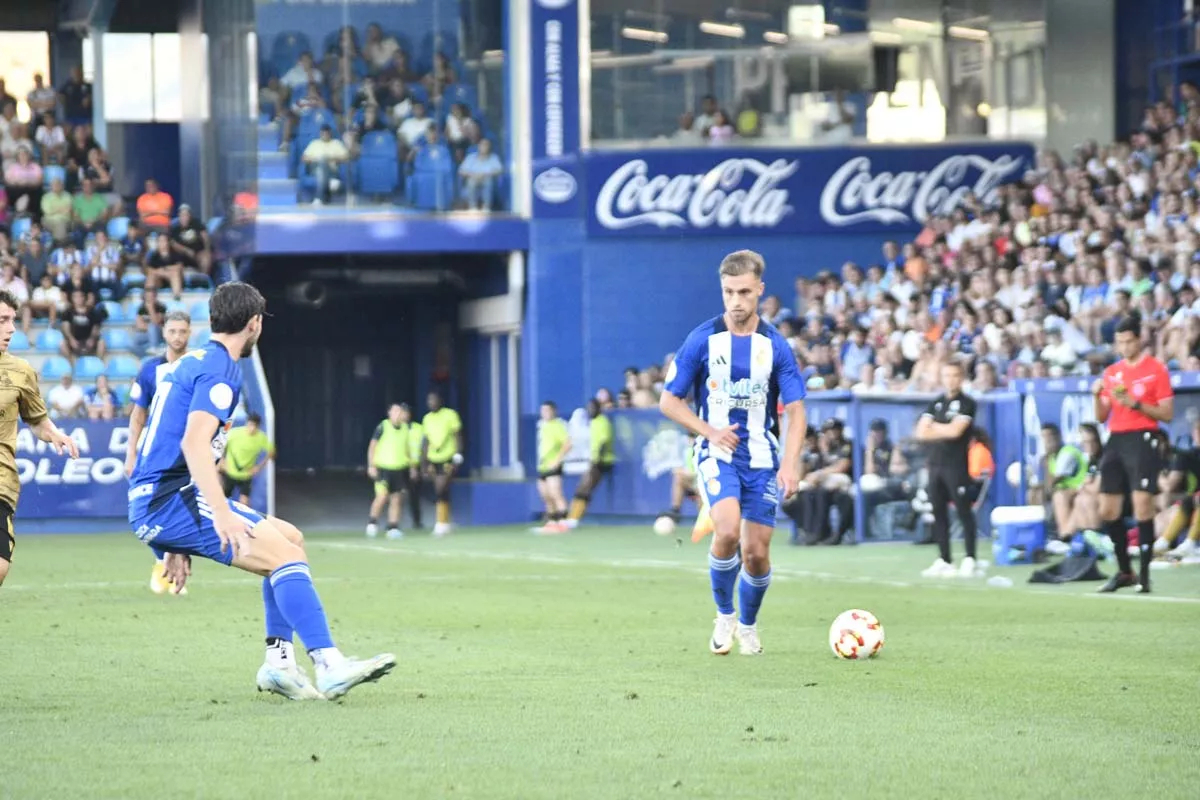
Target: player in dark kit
(945, 428)
(1132, 398)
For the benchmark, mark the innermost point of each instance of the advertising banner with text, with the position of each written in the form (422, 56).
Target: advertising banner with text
(721, 191)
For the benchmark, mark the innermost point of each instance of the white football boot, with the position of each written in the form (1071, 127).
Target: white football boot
(372, 530)
(289, 682)
(334, 681)
(723, 630)
(748, 643)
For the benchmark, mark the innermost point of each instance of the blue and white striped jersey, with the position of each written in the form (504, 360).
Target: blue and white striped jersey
(738, 379)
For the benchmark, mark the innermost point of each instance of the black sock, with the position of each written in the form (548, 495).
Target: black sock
(274, 641)
(393, 525)
(1120, 539)
(1146, 548)
(372, 520)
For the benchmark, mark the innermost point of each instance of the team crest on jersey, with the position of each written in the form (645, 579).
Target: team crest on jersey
(5, 381)
(713, 486)
(954, 405)
(762, 357)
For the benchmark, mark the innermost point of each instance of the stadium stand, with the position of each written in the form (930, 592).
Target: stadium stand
(1030, 286)
(404, 118)
(71, 233)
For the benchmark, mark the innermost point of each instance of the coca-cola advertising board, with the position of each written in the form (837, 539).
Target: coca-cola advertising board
(720, 191)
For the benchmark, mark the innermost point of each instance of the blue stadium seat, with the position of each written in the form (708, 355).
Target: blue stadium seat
(197, 280)
(55, 367)
(122, 367)
(311, 122)
(51, 172)
(379, 167)
(49, 340)
(199, 311)
(132, 278)
(120, 394)
(177, 305)
(200, 337)
(117, 228)
(20, 227)
(113, 310)
(433, 178)
(19, 341)
(286, 50)
(89, 367)
(117, 339)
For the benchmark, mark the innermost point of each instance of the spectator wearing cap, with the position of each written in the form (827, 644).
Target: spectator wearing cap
(189, 241)
(322, 157)
(154, 207)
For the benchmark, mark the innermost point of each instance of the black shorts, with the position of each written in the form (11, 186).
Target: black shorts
(394, 480)
(550, 473)
(8, 541)
(445, 468)
(1131, 463)
(236, 487)
(601, 469)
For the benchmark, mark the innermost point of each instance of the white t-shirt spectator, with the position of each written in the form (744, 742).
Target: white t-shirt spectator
(298, 78)
(66, 400)
(51, 138)
(17, 287)
(413, 129)
(52, 296)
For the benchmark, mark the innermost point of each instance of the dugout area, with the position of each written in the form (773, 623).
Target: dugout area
(348, 335)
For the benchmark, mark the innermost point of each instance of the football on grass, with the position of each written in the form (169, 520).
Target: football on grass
(855, 635)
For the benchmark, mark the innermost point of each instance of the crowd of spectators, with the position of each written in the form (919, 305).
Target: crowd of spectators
(1030, 285)
(373, 86)
(73, 248)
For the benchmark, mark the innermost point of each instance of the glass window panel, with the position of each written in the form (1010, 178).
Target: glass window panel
(128, 80)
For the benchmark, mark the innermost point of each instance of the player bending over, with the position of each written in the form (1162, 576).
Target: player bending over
(177, 328)
(20, 398)
(736, 367)
(176, 505)
(600, 436)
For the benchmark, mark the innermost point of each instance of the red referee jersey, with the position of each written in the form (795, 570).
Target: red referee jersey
(1147, 382)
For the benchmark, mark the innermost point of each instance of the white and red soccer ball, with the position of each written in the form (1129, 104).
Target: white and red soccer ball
(856, 635)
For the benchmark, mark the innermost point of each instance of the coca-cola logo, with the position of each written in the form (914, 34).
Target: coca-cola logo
(741, 192)
(855, 195)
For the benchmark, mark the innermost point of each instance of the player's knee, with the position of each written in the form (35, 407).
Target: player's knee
(289, 531)
(754, 561)
(3, 570)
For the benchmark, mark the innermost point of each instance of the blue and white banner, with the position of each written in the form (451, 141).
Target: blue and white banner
(93, 485)
(730, 192)
(554, 96)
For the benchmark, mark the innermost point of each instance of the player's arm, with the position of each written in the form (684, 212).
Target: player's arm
(457, 458)
(1101, 402)
(212, 399)
(954, 429)
(791, 391)
(140, 393)
(924, 431)
(1164, 409)
(32, 409)
(566, 446)
(371, 471)
(681, 379)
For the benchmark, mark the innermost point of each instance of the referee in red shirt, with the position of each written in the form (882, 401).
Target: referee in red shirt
(1132, 398)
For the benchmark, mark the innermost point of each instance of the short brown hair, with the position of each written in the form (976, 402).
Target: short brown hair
(9, 299)
(742, 262)
(955, 363)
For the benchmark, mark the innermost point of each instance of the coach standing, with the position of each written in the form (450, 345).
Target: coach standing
(1132, 398)
(945, 428)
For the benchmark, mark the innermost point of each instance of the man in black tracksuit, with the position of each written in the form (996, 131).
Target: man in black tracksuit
(945, 429)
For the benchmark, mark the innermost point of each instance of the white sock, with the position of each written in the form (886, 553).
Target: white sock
(327, 657)
(281, 655)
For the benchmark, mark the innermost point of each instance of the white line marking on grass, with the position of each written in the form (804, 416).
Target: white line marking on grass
(778, 572)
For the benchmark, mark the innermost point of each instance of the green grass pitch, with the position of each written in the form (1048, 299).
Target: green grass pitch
(576, 667)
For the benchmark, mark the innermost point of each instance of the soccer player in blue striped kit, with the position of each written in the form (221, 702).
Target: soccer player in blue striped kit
(177, 505)
(738, 367)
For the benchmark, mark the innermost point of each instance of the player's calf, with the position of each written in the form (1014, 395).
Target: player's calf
(4, 565)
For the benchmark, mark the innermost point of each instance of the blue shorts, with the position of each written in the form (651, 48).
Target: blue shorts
(183, 524)
(755, 489)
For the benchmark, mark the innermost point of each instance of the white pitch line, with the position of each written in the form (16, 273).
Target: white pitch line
(200, 583)
(777, 571)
